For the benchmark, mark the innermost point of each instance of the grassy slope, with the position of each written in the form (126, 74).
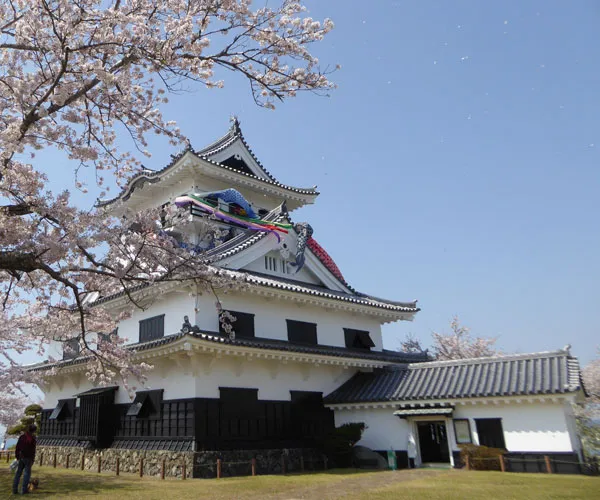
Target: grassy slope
(348, 485)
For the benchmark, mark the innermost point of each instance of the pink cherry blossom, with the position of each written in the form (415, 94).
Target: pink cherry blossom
(73, 74)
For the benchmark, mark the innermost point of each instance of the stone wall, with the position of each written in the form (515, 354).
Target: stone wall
(202, 464)
(129, 460)
(238, 462)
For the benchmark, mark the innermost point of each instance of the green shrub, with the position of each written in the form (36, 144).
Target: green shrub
(31, 415)
(338, 445)
(481, 457)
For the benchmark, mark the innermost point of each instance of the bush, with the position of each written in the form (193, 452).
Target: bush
(481, 457)
(31, 415)
(338, 445)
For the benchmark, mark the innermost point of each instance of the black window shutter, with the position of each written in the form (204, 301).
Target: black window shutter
(358, 339)
(146, 404)
(243, 326)
(152, 328)
(301, 332)
(490, 432)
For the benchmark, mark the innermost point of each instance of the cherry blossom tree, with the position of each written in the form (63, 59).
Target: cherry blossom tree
(591, 378)
(459, 344)
(588, 413)
(74, 75)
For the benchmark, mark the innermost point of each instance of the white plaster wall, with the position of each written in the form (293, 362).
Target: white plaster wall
(527, 426)
(182, 377)
(384, 430)
(174, 306)
(271, 314)
(304, 275)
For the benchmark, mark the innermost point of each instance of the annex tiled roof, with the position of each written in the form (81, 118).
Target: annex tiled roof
(257, 343)
(521, 374)
(153, 176)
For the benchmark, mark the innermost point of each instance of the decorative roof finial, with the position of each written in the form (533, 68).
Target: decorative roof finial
(187, 326)
(235, 124)
(567, 348)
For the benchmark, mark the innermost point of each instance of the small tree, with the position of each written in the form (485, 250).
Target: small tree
(459, 344)
(31, 415)
(411, 344)
(588, 414)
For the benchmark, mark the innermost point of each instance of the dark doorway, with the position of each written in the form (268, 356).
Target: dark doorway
(433, 442)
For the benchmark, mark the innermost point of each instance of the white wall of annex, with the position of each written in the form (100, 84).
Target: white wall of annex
(271, 314)
(527, 426)
(384, 430)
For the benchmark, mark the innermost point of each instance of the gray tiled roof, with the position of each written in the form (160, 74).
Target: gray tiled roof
(521, 374)
(291, 285)
(152, 176)
(258, 343)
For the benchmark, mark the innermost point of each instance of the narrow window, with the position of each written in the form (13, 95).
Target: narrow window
(462, 431)
(243, 326)
(71, 349)
(358, 339)
(152, 328)
(490, 432)
(301, 332)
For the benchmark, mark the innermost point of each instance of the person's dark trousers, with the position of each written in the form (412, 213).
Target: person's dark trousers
(24, 465)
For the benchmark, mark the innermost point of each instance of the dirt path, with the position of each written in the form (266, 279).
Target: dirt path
(355, 485)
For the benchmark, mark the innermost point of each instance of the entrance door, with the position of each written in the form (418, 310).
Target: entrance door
(433, 442)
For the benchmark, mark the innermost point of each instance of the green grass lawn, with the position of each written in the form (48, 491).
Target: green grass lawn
(336, 484)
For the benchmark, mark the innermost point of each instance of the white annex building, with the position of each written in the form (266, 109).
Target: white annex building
(306, 354)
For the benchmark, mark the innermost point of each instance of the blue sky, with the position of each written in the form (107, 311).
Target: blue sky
(457, 161)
